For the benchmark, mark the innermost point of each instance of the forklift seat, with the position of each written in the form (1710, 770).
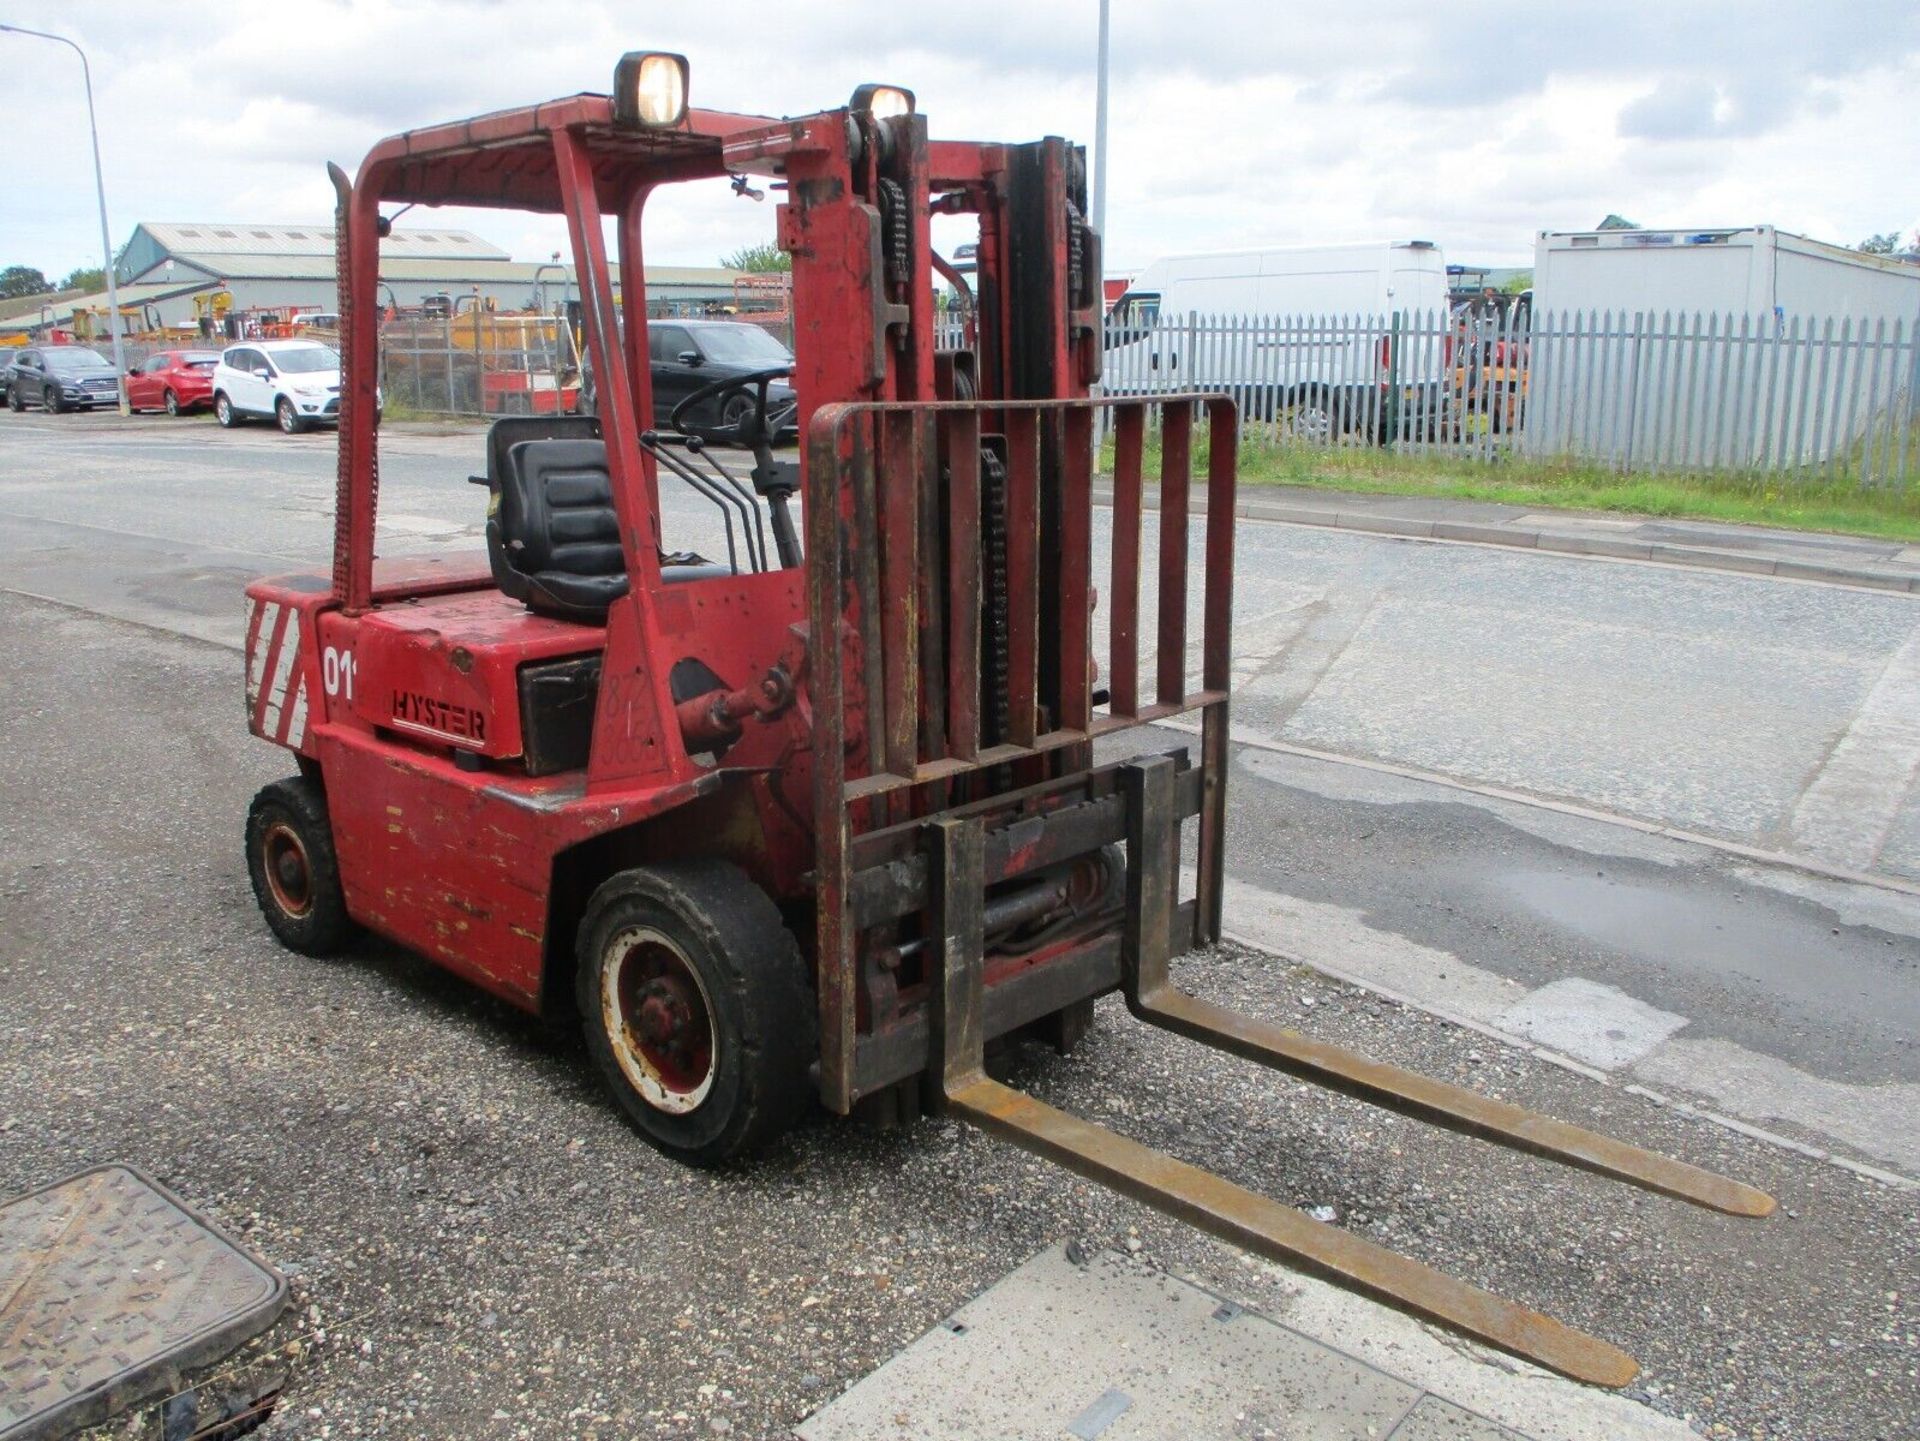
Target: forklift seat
(555, 538)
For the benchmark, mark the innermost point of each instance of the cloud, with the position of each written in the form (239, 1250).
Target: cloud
(1233, 122)
(1673, 110)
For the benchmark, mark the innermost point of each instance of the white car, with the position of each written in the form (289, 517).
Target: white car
(295, 383)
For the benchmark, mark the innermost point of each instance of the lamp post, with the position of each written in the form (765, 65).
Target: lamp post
(1100, 136)
(100, 189)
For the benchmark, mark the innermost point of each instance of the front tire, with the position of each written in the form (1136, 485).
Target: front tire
(224, 412)
(294, 869)
(696, 1006)
(735, 412)
(289, 418)
(50, 399)
(172, 403)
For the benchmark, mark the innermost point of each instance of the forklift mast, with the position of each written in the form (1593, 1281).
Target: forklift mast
(885, 741)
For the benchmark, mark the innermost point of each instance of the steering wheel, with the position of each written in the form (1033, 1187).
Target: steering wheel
(754, 427)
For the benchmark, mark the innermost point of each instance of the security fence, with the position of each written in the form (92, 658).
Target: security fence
(480, 363)
(1833, 400)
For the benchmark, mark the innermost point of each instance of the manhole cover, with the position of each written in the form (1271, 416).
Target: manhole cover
(108, 1283)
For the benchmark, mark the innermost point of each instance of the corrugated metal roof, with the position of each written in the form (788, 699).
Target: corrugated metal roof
(30, 304)
(441, 272)
(129, 295)
(194, 238)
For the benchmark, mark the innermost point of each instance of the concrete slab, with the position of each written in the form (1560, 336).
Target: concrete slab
(1113, 1349)
(1116, 1351)
(1600, 1025)
(1436, 1420)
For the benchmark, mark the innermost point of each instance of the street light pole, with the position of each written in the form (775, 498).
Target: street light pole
(1100, 135)
(100, 189)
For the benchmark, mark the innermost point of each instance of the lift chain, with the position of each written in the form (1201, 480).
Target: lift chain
(998, 636)
(893, 211)
(1076, 256)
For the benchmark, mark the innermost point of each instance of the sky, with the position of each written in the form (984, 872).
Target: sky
(1233, 123)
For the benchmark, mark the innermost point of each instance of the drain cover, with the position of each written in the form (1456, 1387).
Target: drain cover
(109, 1283)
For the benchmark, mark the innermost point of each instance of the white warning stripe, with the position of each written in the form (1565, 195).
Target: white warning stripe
(297, 719)
(257, 656)
(282, 672)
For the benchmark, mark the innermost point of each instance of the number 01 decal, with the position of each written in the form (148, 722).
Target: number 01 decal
(336, 671)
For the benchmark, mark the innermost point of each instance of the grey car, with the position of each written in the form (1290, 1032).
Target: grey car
(61, 377)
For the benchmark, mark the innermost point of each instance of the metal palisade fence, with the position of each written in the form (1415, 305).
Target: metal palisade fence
(1833, 400)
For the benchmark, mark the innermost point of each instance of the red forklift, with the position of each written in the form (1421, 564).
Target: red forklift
(821, 822)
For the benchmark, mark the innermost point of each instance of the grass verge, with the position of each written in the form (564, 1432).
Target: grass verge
(1887, 513)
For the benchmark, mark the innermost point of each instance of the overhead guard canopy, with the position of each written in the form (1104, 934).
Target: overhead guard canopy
(505, 160)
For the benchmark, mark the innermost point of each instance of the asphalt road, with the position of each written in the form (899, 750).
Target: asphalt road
(488, 1251)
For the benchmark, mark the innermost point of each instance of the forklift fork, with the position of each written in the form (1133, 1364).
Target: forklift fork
(1234, 1214)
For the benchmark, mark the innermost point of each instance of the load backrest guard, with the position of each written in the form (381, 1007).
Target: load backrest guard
(900, 581)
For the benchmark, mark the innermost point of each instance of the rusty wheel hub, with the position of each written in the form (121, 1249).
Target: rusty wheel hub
(659, 1019)
(289, 873)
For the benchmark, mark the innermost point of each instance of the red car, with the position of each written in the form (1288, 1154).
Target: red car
(173, 381)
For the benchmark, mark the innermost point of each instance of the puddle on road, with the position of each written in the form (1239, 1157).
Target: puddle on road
(1695, 929)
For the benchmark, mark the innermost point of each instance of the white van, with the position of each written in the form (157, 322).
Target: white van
(1163, 333)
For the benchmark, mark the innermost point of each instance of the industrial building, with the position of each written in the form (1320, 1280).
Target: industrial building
(165, 266)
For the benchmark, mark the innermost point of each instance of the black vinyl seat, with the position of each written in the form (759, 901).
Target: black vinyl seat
(553, 538)
(554, 533)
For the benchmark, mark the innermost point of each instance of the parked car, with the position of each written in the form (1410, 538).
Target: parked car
(173, 380)
(295, 383)
(315, 320)
(61, 377)
(688, 354)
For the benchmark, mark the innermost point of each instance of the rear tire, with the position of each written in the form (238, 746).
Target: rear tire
(224, 412)
(695, 1003)
(15, 401)
(294, 869)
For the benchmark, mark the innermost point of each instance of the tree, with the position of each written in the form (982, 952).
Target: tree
(1885, 244)
(86, 280)
(759, 259)
(22, 280)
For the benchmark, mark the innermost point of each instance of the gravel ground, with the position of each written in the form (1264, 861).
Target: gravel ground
(483, 1249)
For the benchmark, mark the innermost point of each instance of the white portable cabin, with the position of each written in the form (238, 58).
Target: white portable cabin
(1712, 347)
(1756, 271)
(1327, 309)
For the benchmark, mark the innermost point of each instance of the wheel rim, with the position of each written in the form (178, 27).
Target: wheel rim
(660, 1020)
(1308, 421)
(225, 410)
(289, 872)
(173, 403)
(286, 417)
